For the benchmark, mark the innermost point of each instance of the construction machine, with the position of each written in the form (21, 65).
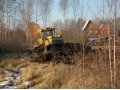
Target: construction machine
(52, 47)
(49, 46)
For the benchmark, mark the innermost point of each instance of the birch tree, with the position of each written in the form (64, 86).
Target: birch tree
(26, 17)
(110, 6)
(115, 3)
(113, 9)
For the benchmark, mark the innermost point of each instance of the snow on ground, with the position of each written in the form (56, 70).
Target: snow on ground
(15, 78)
(9, 87)
(6, 72)
(4, 83)
(21, 69)
(26, 83)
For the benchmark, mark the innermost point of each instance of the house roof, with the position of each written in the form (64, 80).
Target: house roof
(89, 25)
(104, 28)
(86, 25)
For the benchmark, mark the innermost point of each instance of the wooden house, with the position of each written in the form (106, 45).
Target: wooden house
(92, 30)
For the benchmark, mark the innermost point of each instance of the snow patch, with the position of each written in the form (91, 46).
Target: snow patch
(26, 82)
(9, 87)
(21, 69)
(16, 75)
(15, 78)
(9, 78)
(18, 78)
(4, 83)
(6, 72)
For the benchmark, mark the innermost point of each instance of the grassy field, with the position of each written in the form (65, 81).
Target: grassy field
(91, 72)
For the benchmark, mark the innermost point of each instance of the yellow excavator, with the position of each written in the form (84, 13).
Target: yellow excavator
(51, 46)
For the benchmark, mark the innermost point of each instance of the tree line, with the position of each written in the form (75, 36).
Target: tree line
(17, 14)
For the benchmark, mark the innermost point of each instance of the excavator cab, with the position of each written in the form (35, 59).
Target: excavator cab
(47, 32)
(47, 37)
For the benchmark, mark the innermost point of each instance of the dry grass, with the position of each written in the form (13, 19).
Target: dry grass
(48, 76)
(1, 71)
(22, 86)
(43, 75)
(11, 61)
(56, 76)
(1, 87)
(1, 74)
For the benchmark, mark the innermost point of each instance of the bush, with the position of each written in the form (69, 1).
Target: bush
(13, 42)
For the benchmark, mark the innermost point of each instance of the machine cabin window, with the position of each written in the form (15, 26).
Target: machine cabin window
(47, 33)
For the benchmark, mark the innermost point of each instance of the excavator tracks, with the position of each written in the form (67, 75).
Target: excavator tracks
(57, 53)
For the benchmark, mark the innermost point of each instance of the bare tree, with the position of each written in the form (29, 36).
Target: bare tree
(115, 2)
(45, 9)
(113, 7)
(75, 4)
(26, 17)
(64, 7)
(110, 6)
